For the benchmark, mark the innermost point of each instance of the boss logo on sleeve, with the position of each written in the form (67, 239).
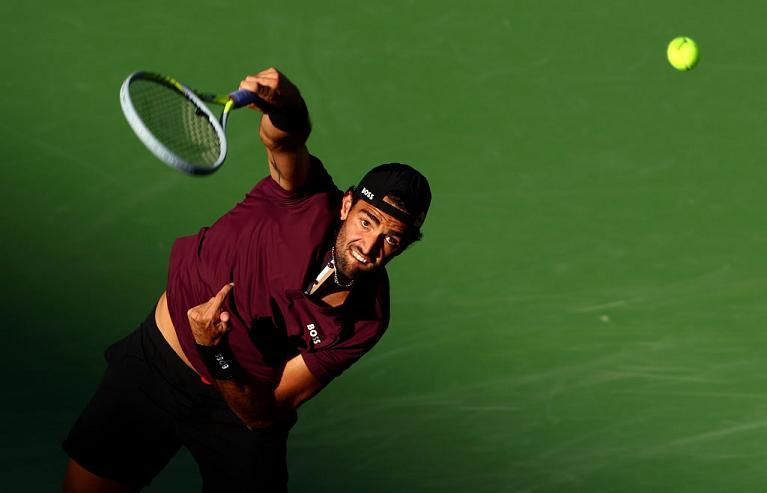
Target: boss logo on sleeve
(313, 333)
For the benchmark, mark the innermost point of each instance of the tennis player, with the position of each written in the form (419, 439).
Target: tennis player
(262, 310)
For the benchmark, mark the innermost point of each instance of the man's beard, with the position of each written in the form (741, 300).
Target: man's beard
(350, 269)
(343, 266)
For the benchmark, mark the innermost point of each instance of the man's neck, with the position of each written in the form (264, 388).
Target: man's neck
(330, 286)
(336, 299)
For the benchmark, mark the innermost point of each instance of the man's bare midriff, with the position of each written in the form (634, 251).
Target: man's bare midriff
(165, 324)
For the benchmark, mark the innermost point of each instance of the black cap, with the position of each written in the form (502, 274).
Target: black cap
(401, 181)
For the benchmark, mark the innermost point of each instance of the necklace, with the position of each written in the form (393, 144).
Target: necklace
(335, 272)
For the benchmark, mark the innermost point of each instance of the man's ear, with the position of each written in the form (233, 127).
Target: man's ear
(346, 205)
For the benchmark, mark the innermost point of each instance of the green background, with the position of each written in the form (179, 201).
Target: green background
(585, 312)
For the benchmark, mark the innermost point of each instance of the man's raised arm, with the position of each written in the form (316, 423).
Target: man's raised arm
(284, 127)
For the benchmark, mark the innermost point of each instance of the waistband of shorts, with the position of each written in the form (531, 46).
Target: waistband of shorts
(165, 359)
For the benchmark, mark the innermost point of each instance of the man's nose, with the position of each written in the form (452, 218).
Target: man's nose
(370, 243)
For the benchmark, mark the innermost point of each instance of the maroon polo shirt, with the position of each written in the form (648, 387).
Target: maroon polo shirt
(271, 245)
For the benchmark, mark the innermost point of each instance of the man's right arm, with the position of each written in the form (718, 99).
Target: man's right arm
(284, 127)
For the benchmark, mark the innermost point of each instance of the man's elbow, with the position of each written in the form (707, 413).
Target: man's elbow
(289, 402)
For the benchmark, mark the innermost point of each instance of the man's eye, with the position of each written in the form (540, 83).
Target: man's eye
(364, 223)
(392, 241)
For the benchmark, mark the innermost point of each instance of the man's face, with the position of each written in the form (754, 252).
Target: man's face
(368, 237)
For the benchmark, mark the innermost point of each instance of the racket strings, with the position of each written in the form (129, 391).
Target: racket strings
(177, 122)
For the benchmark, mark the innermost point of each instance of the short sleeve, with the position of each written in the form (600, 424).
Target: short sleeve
(367, 324)
(326, 364)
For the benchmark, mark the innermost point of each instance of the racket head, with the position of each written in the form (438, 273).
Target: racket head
(173, 122)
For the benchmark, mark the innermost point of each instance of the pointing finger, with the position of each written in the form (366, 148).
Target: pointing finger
(214, 304)
(221, 296)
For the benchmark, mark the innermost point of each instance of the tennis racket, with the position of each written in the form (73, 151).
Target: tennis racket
(175, 122)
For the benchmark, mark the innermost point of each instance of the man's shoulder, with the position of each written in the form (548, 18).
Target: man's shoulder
(318, 182)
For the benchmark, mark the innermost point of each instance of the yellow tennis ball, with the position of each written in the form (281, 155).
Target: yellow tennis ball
(682, 53)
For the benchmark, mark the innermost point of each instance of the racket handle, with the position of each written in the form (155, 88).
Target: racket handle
(243, 97)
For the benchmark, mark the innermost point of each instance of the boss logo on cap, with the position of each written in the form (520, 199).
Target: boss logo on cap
(367, 193)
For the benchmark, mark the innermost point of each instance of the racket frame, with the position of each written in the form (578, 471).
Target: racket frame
(198, 100)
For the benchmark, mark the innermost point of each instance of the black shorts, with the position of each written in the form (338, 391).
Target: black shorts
(149, 403)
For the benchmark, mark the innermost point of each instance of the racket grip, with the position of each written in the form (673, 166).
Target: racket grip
(243, 97)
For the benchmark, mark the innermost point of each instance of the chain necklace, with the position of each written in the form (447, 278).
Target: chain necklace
(335, 272)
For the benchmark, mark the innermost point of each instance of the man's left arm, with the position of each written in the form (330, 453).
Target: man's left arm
(257, 404)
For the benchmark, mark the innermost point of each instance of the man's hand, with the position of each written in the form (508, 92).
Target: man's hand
(209, 324)
(274, 88)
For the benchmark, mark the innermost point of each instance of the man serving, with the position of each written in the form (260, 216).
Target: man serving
(261, 311)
